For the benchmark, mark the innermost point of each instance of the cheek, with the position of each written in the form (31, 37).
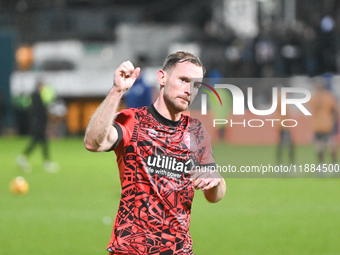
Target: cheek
(170, 89)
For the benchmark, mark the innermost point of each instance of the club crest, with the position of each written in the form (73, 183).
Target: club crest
(190, 141)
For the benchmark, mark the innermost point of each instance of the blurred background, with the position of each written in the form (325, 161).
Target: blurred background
(73, 48)
(75, 45)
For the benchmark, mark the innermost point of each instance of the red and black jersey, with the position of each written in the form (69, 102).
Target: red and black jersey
(155, 156)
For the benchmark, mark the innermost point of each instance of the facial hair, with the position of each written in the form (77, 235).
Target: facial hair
(171, 102)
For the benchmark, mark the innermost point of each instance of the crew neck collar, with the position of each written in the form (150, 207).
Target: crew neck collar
(160, 118)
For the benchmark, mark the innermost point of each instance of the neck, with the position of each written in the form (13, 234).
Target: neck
(165, 110)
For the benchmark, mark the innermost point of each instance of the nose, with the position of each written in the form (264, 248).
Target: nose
(189, 88)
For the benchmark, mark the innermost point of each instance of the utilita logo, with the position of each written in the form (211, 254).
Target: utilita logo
(239, 104)
(168, 166)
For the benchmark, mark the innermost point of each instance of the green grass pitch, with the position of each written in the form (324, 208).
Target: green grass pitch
(72, 212)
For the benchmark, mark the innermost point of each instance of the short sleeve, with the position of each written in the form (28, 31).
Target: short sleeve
(124, 123)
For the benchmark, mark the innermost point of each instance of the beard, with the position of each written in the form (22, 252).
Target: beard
(176, 103)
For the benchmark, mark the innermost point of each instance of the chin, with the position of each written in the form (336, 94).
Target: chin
(177, 106)
(182, 108)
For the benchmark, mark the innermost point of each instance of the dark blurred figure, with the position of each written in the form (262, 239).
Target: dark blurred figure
(264, 52)
(327, 47)
(285, 136)
(140, 93)
(325, 116)
(2, 111)
(216, 110)
(38, 131)
(21, 105)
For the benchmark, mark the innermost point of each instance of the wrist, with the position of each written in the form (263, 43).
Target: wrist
(116, 90)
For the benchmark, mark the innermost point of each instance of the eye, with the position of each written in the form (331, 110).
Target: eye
(185, 79)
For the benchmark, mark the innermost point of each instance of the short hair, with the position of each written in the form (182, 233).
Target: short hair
(180, 57)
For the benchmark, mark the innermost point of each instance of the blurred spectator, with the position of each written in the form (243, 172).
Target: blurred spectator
(309, 51)
(21, 105)
(264, 52)
(220, 111)
(325, 116)
(290, 50)
(41, 96)
(2, 111)
(140, 93)
(327, 49)
(285, 135)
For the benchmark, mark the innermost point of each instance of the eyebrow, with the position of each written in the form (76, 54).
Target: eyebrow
(185, 77)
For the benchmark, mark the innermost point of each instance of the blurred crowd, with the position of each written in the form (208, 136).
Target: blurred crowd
(308, 45)
(279, 50)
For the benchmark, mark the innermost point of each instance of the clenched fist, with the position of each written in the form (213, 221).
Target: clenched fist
(125, 75)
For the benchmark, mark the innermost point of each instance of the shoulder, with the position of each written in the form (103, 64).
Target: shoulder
(130, 113)
(196, 126)
(125, 114)
(194, 122)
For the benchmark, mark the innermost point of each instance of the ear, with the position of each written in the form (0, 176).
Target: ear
(161, 77)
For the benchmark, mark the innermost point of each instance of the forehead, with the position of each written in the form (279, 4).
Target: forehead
(187, 69)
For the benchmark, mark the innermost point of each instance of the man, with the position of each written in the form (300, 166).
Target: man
(325, 117)
(285, 135)
(38, 130)
(157, 148)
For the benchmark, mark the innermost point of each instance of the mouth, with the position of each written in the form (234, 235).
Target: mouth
(185, 99)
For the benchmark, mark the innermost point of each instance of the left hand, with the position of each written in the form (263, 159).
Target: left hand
(205, 180)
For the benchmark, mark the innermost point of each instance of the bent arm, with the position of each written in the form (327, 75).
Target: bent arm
(212, 185)
(100, 134)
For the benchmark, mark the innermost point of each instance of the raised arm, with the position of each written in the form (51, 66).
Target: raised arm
(101, 134)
